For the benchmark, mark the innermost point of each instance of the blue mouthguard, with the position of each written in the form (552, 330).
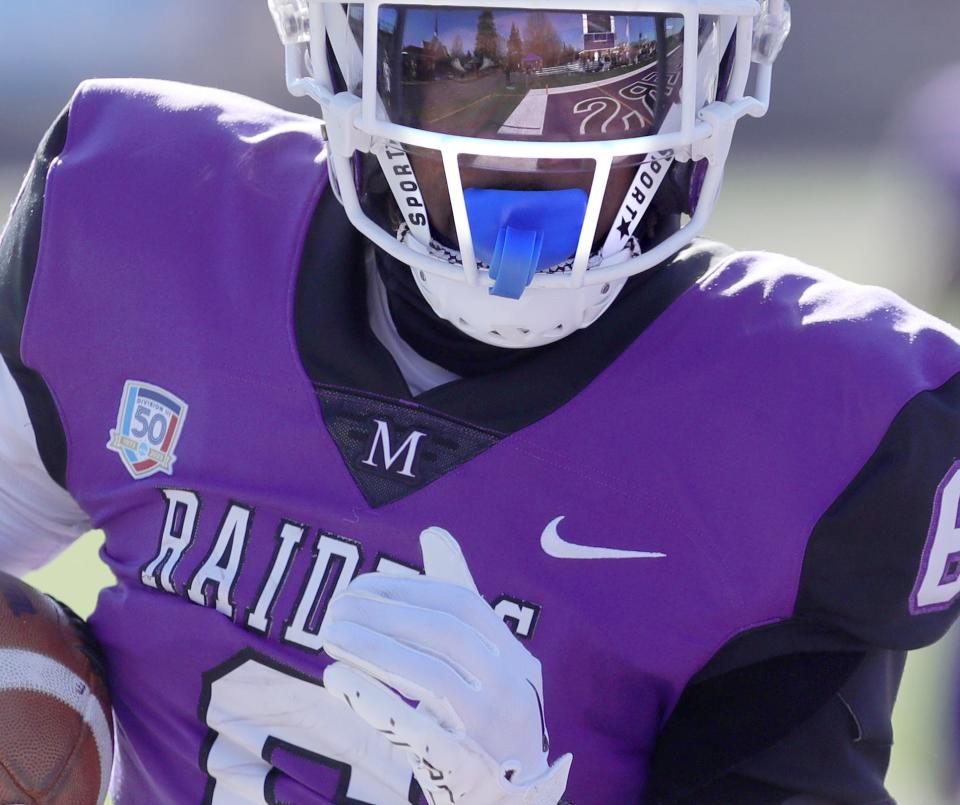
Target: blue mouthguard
(520, 232)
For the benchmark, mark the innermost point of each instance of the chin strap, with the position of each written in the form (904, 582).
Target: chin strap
(639, 197)
(403, 183)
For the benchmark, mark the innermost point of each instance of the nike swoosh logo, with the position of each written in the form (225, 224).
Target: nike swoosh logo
(554, 545)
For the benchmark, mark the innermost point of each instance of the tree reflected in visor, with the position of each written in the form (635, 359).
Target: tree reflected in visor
(547, 76)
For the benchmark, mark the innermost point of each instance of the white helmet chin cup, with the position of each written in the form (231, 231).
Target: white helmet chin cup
(690, 113)
(540, 316)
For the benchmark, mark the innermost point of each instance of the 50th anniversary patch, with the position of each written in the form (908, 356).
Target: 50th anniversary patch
(149, 424)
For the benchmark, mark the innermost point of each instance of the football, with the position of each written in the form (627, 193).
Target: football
(55, 722)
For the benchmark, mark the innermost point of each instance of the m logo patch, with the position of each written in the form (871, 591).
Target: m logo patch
(392, 448)
(149, 424)
(382, 454)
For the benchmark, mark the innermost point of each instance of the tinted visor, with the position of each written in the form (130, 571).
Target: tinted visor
(539, 76)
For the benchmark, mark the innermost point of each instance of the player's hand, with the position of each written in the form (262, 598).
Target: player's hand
(478, 734)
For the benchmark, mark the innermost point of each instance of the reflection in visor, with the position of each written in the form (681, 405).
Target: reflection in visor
(529, 75)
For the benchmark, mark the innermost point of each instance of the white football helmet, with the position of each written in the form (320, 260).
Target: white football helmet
(512, 157)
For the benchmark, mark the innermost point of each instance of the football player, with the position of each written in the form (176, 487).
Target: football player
(439, 459)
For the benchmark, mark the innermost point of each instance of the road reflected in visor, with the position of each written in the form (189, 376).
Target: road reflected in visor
(539, 76)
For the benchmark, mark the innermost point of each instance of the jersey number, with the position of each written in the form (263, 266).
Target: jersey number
(939, 580)
(259, 711)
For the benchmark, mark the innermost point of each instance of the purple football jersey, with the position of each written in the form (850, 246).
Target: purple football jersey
(161, 317)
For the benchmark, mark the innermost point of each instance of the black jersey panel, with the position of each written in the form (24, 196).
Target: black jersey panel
(337, 346)
(763, 643)
(811, 724)
(842, 753)
(721, 721)
(869, 550)
(19, 249)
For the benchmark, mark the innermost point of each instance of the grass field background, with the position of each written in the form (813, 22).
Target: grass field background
(858, 215)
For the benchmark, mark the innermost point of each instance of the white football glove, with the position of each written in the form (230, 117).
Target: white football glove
(478, 735)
